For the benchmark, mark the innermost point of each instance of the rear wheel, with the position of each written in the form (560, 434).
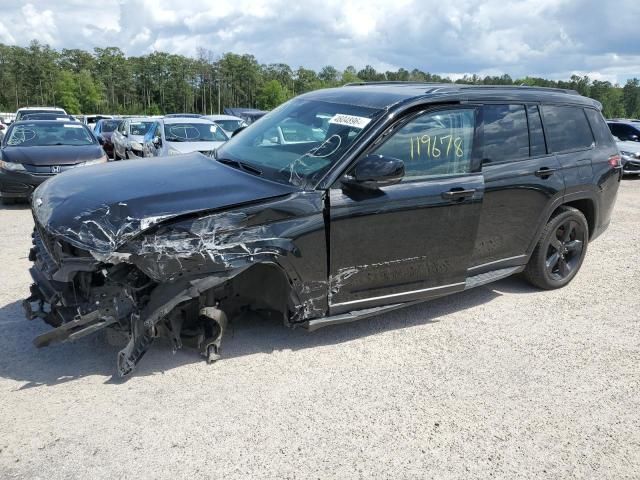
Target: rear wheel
(560, 251)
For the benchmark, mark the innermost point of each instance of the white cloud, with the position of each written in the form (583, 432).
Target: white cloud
(520, 37)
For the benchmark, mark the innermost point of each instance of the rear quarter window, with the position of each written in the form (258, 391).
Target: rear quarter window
(566, 128)
(599, 127)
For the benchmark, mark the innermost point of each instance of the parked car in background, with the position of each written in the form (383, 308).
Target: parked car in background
(35, 150)
(183, 115)
(127, 139)
(179, 135)
(91, 120)
(3, 128)
(625, 130)
(249, 115)
(228, 123)
(416, 191)
(103, 131)
(630, 153)
(49, 116)
(26, 110)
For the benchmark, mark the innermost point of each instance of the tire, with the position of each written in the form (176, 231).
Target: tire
(560, 251)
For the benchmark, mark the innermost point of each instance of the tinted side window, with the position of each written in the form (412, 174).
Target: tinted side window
(599, 127)
(505, 133)
(434, 144)
(567, 128)
(536, 135)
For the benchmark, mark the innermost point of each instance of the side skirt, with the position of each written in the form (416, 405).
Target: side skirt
(471, 282)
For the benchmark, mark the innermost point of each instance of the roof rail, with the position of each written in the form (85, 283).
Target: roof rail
(394, 82)
(523, 87)
(464, 86)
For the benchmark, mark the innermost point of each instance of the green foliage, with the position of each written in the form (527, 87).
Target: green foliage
(272, 94)
(107, 81)
(65, 92)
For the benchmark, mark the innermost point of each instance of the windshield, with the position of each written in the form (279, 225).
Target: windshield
(230, 125)
(193, 132)
(109, 125)
(45, 134)
(299, 141)
(21, 114)
(47, 116)
(139, 128)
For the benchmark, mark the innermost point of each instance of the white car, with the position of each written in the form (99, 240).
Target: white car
(228, 123)
(630, 153)
(176, 136)
(22, 111)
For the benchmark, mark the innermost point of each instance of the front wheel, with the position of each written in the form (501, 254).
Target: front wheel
(560, 251)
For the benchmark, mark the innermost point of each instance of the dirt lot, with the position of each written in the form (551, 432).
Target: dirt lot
(502, 381)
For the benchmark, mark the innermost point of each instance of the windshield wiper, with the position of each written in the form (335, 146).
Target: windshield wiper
(240, 166)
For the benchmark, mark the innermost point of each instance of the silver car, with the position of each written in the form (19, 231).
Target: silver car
(228, 123)
(630, 153)
(129, 136)
(176, 136)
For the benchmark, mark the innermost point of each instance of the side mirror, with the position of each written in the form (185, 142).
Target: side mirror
(125, 133)
(237, 131)
(375, 171)
(634, 138)
(157, 141)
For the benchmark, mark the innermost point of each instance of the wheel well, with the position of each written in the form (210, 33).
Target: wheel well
(587, 207)
(261, 287)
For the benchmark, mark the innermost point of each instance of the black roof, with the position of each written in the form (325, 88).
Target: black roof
(382, 95)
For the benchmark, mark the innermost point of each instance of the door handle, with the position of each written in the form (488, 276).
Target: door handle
(458, 194)
(545, 172)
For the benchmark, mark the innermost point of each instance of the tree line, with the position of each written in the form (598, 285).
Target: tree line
(108, 81)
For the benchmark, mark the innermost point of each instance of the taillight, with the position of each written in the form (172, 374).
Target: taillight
(615, 161)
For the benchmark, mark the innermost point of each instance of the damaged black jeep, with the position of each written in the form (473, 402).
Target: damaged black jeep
(340, 204)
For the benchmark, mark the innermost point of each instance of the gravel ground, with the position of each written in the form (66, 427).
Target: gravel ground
(501, 381)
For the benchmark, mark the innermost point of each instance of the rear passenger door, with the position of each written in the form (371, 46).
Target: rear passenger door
(521, 181)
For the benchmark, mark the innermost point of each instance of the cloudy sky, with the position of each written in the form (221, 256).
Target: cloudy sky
(550, 38)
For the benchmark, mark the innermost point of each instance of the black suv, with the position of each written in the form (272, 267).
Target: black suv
(340, 204)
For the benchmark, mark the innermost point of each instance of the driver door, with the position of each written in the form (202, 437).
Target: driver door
(412, 240)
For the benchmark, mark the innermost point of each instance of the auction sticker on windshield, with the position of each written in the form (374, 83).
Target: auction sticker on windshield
(69, 125)
(349, 120)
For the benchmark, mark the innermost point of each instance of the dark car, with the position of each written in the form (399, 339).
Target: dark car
(49, 116)
(415, 191)
(33, 151)
(625, 130)
(103, 131)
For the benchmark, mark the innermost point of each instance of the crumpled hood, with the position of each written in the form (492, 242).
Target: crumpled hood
(188, 147)
(99, 208)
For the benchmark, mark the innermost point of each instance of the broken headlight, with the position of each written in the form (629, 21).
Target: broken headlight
(11, 166)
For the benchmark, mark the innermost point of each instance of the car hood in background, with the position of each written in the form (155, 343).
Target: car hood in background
(135, 138)
(99, 208)
(52, 155)
(631, 147)
(188, 147)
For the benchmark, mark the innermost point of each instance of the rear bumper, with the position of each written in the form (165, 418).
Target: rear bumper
(19, 184)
